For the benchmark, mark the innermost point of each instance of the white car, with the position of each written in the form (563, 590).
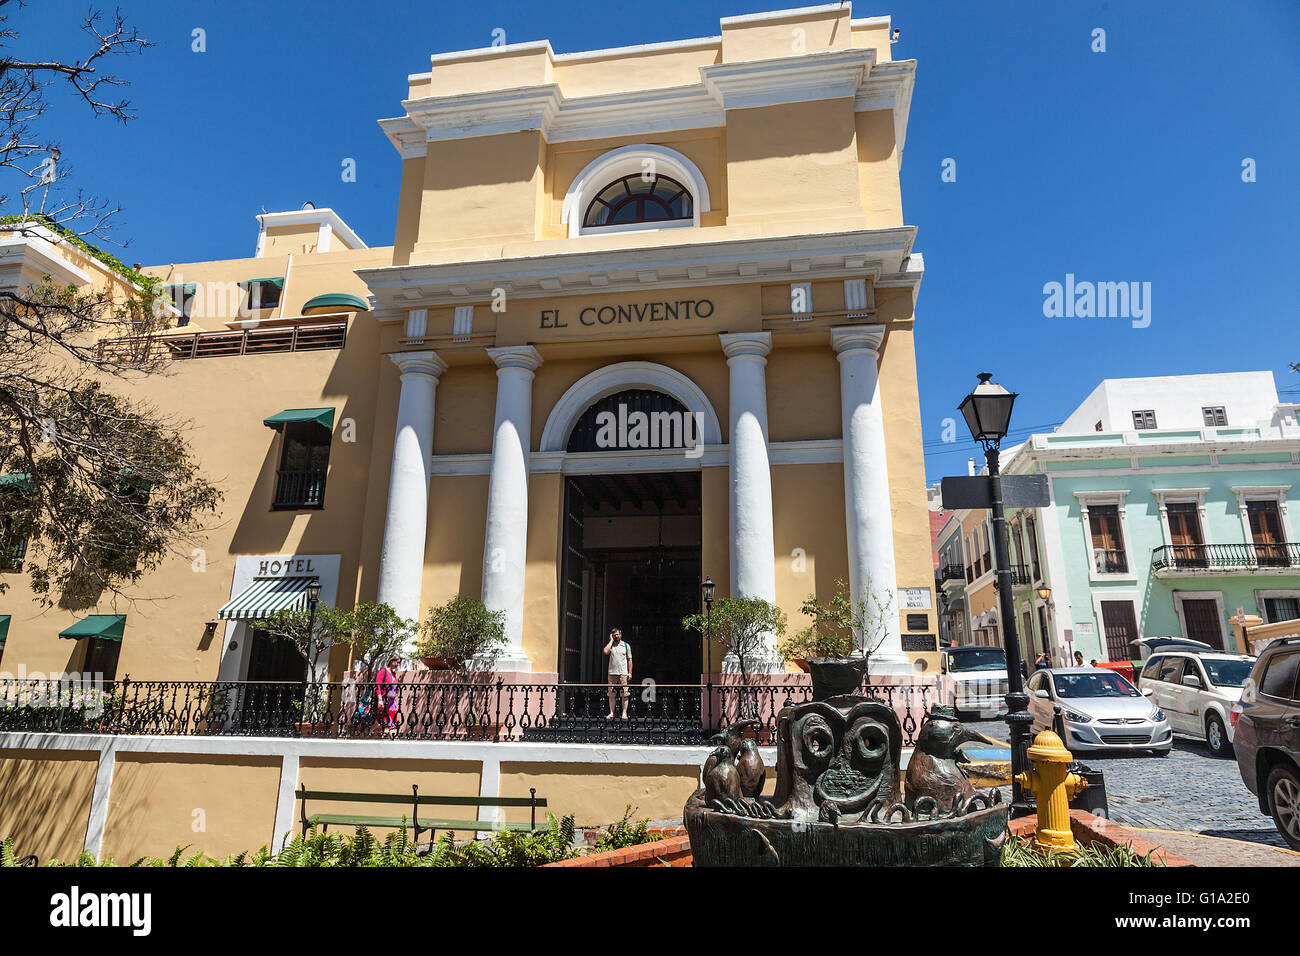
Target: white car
(976, 679)
(1093, 708)
(1197, 691)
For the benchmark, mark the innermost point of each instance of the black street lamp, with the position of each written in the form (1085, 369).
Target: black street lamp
(313, 598)
(706, 591)
(987, 411)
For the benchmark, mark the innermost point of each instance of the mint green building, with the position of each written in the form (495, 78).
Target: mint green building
(1171, 510)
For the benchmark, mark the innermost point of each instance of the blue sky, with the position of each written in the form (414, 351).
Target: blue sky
(1117, 166)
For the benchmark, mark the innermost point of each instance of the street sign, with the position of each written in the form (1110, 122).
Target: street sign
(1018, 491)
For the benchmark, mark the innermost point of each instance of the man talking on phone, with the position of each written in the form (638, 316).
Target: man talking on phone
(619, 653)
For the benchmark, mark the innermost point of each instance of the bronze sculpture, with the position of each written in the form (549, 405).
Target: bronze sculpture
(838, 798)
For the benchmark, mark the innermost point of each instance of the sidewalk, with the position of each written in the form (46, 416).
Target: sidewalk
(1219, 851)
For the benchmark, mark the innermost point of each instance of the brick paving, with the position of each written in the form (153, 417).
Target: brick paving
(1189, 790)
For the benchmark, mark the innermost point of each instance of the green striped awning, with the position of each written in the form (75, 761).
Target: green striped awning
(321, 416)
(108, 627)
(277, 281)
(264, 597)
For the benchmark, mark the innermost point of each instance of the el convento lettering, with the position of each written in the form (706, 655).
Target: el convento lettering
(629, 313)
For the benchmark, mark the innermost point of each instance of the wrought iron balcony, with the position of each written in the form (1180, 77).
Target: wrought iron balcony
(950, 572)
(1107, 561)
(417, 708)
(299, 489)
(1194, 558)
(1020, 575)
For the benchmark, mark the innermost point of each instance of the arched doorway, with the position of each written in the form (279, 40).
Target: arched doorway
(631, 546)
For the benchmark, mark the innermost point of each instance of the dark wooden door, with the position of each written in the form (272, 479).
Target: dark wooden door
(1119, 621)
(1201, 618)
(573, 566)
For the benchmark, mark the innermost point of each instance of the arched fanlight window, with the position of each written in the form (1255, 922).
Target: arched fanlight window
(637, 199)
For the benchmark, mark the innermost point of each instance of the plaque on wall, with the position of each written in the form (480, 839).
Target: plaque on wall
(914, 599)
(919, 642)
(918, 622)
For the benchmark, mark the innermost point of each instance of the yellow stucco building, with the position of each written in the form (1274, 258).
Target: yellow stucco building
(647, 317)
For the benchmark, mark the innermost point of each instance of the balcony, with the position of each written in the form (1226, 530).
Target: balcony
(299, 489)
(1107, 561)
(950, 574)
(421, 707)
(280, 338)
(1021, 576)
(1191, 560)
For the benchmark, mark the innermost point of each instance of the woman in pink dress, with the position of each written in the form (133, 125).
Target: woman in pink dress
(386, 693)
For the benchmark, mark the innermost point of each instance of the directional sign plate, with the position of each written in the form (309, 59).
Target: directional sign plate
(1018, 491)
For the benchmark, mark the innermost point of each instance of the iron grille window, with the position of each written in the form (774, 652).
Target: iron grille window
(635, 199)
(1145, 419)
(304, 460)
(1215, 416)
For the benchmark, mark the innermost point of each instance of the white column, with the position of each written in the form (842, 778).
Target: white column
(505, 541)
(753, 558)
(401, 562)
(868, 522)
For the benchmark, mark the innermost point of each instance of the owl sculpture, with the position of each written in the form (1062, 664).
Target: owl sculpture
(835, 758)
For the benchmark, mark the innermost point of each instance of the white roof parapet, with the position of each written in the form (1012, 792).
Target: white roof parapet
(835, 73)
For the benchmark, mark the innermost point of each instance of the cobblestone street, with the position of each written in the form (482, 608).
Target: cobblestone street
(1188, 791)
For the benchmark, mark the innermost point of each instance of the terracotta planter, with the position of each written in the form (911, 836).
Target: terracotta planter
(802, 664)
(310, 730)
(437, 663)
(482, 731)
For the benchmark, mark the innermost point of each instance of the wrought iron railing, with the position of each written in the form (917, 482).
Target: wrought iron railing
(306, 337)
(486, 710)
(1020, 576)
(299, 489)
(951, 572)
(1109, 561)
(1223, 557)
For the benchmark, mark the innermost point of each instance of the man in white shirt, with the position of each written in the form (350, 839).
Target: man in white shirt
(619, 653)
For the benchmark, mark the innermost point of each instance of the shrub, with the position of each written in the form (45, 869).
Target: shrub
(625, 833)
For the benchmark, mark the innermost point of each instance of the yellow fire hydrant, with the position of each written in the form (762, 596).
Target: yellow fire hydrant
(1053, 788)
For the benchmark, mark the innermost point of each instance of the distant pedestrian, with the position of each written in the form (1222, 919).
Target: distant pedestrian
(1078, 658)
(1043, 662)
(1093, 662)
(619, 653)
(386, 691)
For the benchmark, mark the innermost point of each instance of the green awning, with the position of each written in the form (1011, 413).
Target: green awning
(337, 300)
(277, 281)
(321, 416)
(108, 627)
(19, 479)
(4, 629)
(264, 597)
(189, 288)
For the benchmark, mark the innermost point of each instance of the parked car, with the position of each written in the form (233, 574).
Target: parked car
(1096, 709)
(976, 679)
(1196, 691)
(1267, 737)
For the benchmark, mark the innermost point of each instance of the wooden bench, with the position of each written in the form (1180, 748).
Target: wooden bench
(414, 801)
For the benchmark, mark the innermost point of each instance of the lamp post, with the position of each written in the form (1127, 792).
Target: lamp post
(987, 411)
(706, 591)
(313, 598)
(1045, 595)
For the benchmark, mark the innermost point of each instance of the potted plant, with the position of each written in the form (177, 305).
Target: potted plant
(836, 647)
(742, 626)
(464, 635)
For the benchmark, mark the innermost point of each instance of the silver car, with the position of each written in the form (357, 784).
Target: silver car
(1093, 708)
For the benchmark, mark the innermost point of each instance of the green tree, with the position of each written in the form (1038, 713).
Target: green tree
(464, 632)
(740, 625)
(100, 487)
(375, 631)
(842, 627)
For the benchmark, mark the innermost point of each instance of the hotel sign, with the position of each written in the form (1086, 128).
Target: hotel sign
(628, 313)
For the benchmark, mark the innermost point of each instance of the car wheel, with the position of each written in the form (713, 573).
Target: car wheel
(1216, 737)
(1283, 790)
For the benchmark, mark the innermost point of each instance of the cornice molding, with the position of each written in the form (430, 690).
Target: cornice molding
(883, 254)
(723, 86)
